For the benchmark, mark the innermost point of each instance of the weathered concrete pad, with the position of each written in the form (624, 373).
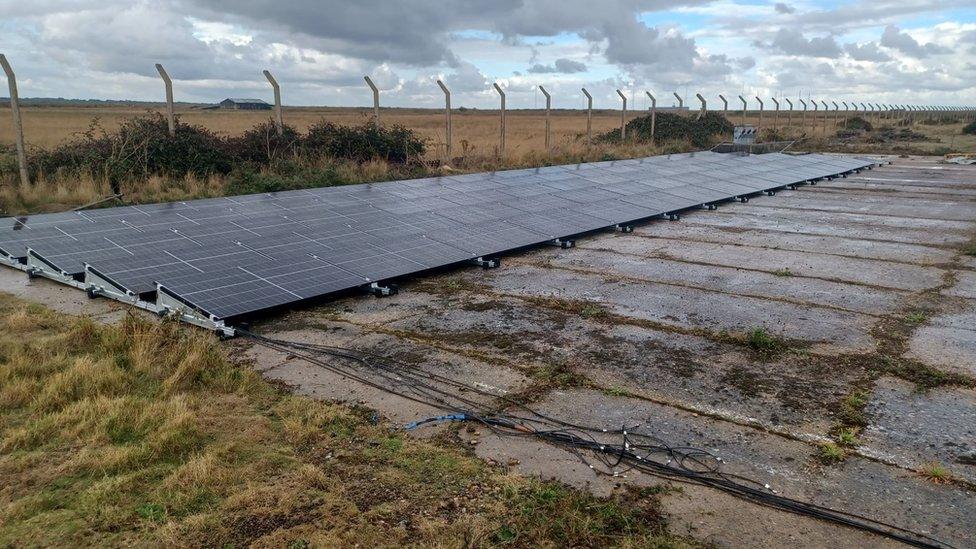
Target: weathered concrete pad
(847, 246)
(947, 342)
(685, 370)
(903, 187)
(830, 330)
(965, 285)
(887, 205)
(874, 228)
(857, 485)
(883, 274)
(312, 380)
(727, 280)
(914, 429)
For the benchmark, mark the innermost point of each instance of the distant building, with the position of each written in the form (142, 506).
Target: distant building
(245, 104)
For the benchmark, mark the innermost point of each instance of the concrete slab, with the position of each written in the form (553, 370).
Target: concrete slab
(880, 274)
(828, 330)
(915, 428)
(871, 228)
(727, 280)
(947, 342)
(827, 244)
(926, 209)
(965, 285)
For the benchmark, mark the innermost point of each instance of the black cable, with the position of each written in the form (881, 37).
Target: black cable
(636, 451)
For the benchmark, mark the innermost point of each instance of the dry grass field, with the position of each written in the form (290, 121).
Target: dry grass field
(475, 132)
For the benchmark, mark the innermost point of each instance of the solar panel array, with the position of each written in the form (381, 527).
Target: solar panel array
(237, 255)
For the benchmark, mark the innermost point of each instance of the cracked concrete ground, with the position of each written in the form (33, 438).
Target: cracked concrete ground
(863, 281)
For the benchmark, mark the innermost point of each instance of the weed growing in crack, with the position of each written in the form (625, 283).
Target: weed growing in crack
(616, 392)
(936, 472)
(916, 318)
(783, 272)
(762, 342)
(830, 453)
(847, 436)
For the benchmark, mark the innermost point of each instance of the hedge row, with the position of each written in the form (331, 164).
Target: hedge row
(142, 147)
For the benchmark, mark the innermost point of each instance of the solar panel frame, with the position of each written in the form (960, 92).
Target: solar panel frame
(232, 256)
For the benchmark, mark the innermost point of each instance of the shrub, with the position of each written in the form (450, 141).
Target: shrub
(674, 127)
(969, 129)
(142, 147)
(139, 148)
(370, 141)
(262, 144)
(857, 123)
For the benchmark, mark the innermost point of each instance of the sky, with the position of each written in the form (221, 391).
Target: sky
(881, 51)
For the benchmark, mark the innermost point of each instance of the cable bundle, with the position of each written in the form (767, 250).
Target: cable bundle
(611, 452)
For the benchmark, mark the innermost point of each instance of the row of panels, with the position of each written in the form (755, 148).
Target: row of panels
(237, 255)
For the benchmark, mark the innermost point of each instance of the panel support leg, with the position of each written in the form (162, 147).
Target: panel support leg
(492, 263)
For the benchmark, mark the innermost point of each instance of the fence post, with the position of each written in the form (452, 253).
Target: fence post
(725, 106)
(447, 117)
(170, 117)
(789, 114)
(704, 108)
(743, 99)
(623, 116)
(376, 98)
(548, 126)
(775, 113)
(836, 113)
(681, 102)
(826, 112)
(501, 136)
(589, 117)
(813, 127)
(279, 125)
(759, 126)
(653, 114)
(18, 123)
(803, 115)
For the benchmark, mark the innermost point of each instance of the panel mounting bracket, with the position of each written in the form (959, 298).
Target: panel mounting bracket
(563, 243)
(491, 263)
(382, 291)
(674, 216)
(624, 228)
(97, 284)
(38, 266)
(168, 304)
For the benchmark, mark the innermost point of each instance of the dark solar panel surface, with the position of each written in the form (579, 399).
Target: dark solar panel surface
(237, 255)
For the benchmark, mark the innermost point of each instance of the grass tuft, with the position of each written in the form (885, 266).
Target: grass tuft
(937, 473)
(763, 343)
(830, 453)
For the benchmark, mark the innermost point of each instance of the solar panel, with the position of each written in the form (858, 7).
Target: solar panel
(233, 256)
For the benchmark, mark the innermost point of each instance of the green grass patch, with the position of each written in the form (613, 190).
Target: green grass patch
(783, 272)
(916, 318)
(829, 453)
(764, 343)
(937, 473)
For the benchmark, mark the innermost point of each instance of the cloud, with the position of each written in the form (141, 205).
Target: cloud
(792, 42)
(903, 42)
(866, 52)
(560, 66)
(784, 8)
